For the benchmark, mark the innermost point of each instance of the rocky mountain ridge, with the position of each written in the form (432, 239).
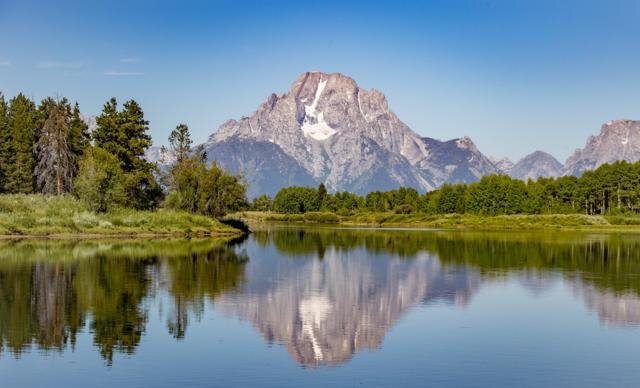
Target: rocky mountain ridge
(328, 129)
(346, 137)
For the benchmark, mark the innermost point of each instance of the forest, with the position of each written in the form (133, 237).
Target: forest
(48, 149)
(611, 189)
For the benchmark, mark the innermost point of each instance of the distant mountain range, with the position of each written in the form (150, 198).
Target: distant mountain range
(328, 129)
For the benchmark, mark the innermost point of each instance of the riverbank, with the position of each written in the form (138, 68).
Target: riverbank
(454, 221)
(49, 216)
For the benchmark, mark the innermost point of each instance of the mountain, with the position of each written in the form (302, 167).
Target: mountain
(328, 129)
(159, 155)
(618, 140)
(503, 165)
(535, 165)
(91, 122)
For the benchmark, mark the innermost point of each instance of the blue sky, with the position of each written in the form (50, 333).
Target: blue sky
(516, 76)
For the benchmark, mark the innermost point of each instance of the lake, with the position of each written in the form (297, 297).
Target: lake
(323, 307)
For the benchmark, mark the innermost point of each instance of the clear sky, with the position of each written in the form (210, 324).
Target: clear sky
(514, 75)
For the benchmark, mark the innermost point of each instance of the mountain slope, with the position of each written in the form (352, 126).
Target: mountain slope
(535, 165)
(263, 164)
(618, 140)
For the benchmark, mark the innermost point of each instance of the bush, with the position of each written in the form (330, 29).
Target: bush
(206, 190)
(403, 209)
(100, 179)
(296, 199)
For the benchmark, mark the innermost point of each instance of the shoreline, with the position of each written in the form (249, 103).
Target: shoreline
(548, 222)
(123, 235)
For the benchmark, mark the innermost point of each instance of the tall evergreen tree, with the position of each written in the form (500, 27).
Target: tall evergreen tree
(107, 133)
(79, 138)
(124, 134)
(55, 159)
(22, 121)
(180, 142)
(6, 145)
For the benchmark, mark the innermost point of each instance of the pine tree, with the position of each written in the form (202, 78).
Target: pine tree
(22, 121)
(6, 145)
(180, 142)
(124, 135)
(79, 138)
(55, 158)
(106, 135)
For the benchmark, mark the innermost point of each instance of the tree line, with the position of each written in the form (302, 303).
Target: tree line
(610, 189)
(48, 148)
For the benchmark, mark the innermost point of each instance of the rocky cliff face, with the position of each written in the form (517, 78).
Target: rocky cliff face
(337, 133)
(535, 165)
(618, 140)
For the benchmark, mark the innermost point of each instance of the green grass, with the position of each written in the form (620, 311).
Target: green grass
(40, 215)
(455, 221)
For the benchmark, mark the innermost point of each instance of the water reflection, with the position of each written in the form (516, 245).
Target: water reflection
(325, 310)
(324, 294)
(49, 290)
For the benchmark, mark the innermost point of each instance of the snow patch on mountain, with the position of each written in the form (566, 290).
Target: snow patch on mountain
(319, 129)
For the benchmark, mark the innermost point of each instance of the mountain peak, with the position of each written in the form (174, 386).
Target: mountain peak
(535, 165)
(617, 140)
(347, 137)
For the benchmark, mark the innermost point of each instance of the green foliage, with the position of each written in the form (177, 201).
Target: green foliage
(262, 203)
(100, 288)
(496, 194)
(6, 145)
(124, 134)
(206, 190)
(22, 122)
(180, 142)
(37, 214)
(296, 199)
(79, 138)
(611, 189)
(100, 181)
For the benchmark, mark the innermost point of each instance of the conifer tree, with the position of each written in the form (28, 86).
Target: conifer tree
(180, 142)
(55, 158)
(22, 121)
(124, 134)
(79, 138)
(6, 145)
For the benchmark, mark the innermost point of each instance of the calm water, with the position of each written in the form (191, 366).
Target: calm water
(323, 307)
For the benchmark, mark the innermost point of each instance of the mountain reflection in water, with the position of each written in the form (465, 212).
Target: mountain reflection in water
(324, 294)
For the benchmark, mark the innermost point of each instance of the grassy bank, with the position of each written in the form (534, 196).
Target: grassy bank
(39, 215)
(456, 221)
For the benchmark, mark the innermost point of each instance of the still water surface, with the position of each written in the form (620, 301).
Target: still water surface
(323, 307)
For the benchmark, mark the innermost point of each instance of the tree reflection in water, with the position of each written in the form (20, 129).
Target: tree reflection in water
(325, 294)
(49, 290)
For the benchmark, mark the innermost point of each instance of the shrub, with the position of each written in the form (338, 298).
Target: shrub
(99, 183)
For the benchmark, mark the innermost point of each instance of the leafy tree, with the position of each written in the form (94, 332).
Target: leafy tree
(221, 192)
(197, 188)
(22, 121)
(100, 181)
(262, 203)
(296, 199)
